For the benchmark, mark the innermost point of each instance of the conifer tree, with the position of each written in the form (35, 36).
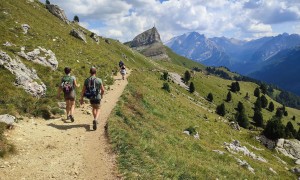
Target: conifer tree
(228, 98)
(298, 134)
(247, 96)
(257, 92)
(263, 88)
(264, 101)
(290, 132)
(257, 104)
(221, 109)
(242, 119)
(258, 118)
(240, 107)
(47, 2)
(192, 87)
(76, 18)
(274, 129)
(271, 106)
(279, 113)
(237, 84)
(285, 113)
(233, 87)
(294, 118)
(187, 76)
(210, 97)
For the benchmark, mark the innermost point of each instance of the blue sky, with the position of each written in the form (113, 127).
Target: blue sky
(241, 19)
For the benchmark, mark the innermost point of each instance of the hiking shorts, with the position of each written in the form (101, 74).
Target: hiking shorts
(70, 96)
(95, 103)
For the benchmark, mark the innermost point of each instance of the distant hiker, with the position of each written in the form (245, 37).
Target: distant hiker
(93, 89)
(121, 63)
(68, 85)
(123, 71)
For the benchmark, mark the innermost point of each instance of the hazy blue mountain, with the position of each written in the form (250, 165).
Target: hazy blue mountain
(283, 69)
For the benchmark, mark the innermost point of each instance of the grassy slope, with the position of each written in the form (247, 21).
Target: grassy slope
(146, 126)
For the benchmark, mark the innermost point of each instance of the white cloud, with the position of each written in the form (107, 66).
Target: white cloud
(124, 19)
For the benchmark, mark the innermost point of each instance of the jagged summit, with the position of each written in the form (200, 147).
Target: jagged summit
(149, 44)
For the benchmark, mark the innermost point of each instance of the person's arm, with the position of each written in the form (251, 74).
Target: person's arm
(82, 94)
(102, 90)
(75, 83)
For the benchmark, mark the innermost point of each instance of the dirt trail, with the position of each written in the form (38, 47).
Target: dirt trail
(59, 149)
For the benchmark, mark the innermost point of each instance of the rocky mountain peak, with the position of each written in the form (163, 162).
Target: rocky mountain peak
(146, 38)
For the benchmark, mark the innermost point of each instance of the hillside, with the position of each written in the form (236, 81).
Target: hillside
(146, 128)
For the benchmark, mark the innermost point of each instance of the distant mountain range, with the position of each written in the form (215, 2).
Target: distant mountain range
(258, 58)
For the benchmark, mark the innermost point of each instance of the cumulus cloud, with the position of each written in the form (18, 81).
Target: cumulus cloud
(124, 19)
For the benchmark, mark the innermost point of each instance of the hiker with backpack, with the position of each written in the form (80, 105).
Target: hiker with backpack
(93, 89)
(68, 85)
(123, 71)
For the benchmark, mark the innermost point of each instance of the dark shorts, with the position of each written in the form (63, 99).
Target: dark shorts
(95, 103)
(70, 96)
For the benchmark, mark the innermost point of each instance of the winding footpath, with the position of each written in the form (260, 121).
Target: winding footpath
(59, 149)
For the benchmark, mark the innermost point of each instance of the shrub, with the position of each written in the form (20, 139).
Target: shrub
(165, 75)
(76, 18)
(274, 129)
(235, 87)
(271, 106)
(187, 76)
(191, 130)
(210, 97)
(192, 87)
(166, 87)
(257, 92)
(264, 101)
(228, 97)
(221, 109)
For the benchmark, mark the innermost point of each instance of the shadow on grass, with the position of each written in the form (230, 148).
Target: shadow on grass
(66, 127)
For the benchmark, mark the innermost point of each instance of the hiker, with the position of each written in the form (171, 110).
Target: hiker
(93, 89)
(68, 85)
(121, 63)
(123, 71)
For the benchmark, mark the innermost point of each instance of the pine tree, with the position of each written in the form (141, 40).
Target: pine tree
(166, 87)
(285, 113)
(263, 88)
(165, 75)
(210, 97)
(235, 87)
(257, 104)
(192, 87)
(271, 106)
(237, 84)
(274, 129)
(264, 101)
(294, 118)
(290, 132)
(279, 113)
(76, 18)
(242, 119)
(228, 98)
(257, 92)
(47, 2)
(240, 107)
(187, 76)
(258, 118)
(221, 109)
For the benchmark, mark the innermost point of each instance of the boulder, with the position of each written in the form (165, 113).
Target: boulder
(245, 165)
(25, 78)
(48, 59)
(235, 126)
(58, 12)
(95, 37)
(295, 170)
(290, 148)
(78, 34)
(7, 119)
(270, 144)
(25, 28)
(297, 161)
(107, 41)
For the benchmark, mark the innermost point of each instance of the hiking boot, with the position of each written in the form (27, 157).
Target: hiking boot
(94, 124)
(72, 118)
(68, 117)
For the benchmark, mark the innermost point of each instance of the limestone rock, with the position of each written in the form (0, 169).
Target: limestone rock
(297, 161)
(8, 44)
(235, 126)
(236, 147)
(78, 34)
(7, 119)
(48, 60)
(290, 148)
(149, 44)
(25, 28)
(272, 170)
(295, 170)
(245, 165)
(25, 78)
(58, 12)
(219, 152)
(95, 37)
(270, 144)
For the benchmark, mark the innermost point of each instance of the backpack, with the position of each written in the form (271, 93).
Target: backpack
(91, 90)
(67, 84)
(121, 63)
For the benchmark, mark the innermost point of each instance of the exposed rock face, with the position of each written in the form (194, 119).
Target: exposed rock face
(7, 119)
(48, 60)
(245, 164)
(267, 142)
(78, 34)
(290, 148)
(58, 12)
(25, 28)
(149, 44)
(25, 78)
(95, 37)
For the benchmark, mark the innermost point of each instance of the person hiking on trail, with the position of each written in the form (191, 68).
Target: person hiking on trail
(68, 85)
(93, 89)
(123, 71)
(121, 63)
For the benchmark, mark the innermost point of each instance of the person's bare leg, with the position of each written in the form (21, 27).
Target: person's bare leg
(68, 107)
(97, 114)
(72, 107)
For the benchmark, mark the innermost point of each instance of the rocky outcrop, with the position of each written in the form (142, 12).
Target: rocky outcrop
(48, 58)
(149, 44)
(78, 34)
(8, 44)
(58, 12)
(7, 119)
(95, 37)
(244, 164)
(235, 146)
(290, 148)
(270, 144)
(25, 78)
(25, 28)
